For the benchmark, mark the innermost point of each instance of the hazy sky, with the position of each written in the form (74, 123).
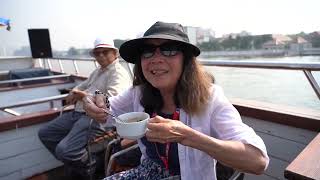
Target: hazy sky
(77, 22)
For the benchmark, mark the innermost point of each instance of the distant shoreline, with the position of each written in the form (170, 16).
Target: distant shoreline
(261, 53)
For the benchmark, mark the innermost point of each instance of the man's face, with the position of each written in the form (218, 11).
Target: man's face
(105, 56)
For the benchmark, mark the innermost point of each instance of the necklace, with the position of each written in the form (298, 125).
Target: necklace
(165, 158)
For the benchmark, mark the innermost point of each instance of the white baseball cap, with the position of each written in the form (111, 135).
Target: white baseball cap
(106, 43)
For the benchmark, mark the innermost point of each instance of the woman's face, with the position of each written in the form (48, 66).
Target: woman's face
(162, 69)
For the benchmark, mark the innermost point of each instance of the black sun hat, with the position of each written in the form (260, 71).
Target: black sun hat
(130, 50)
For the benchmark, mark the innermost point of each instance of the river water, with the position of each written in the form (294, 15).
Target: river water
(282, 87)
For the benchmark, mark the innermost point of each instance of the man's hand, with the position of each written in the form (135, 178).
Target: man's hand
(79, 94)
(70, 99)
(75, 95)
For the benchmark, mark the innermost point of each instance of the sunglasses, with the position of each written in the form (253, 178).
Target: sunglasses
(97, 53)
(167, 49)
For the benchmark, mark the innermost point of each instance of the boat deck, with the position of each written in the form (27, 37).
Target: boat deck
(284, 143)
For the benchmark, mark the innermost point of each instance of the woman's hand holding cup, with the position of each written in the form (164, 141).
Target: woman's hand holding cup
(166, 130)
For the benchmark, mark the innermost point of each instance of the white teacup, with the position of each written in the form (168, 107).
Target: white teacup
(133, 125)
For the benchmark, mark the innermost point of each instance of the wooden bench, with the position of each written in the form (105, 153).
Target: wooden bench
(306, 165)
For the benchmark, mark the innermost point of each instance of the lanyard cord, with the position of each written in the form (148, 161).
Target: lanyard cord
(165, 159)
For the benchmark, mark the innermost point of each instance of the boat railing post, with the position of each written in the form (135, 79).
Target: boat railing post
(40, 63)
(130, 70)
(61, 66)
(45, 63)
(51, 105)
(96, 63)
(75, 66)
(49, 63)
(312, 82)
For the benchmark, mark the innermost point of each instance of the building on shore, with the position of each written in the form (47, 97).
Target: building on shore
(199, 35)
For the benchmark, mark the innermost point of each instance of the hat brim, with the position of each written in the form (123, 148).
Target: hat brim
(129, 50)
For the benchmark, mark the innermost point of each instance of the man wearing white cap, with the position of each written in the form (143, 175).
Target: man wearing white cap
(66, 136)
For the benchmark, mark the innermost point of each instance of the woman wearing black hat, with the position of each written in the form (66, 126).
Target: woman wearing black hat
(193, 124)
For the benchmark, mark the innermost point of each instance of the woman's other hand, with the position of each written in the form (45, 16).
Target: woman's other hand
(95, 107)
(166, 130)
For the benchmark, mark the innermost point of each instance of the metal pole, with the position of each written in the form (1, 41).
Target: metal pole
(312, 82)
(41, 63)
(51, 105)
(60, 65)
(49, 64)
(96, 64)
(76, 66)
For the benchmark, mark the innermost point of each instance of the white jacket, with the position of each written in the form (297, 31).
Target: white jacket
(220, 120)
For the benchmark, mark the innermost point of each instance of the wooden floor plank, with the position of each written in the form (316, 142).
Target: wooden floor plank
(280, 140)
(281, 148)
(283, 144)
(261, 177)
(276, 168)
(287, 132)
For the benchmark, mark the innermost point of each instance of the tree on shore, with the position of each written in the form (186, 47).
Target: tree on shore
(72, 51)
(236, 43)
(213, 45)
(118, 42)
(314, 38)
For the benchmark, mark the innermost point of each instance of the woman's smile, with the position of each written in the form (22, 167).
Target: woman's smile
(159, 72)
